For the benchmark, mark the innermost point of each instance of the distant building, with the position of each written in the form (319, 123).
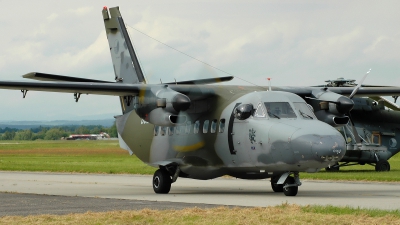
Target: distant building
(101, 136)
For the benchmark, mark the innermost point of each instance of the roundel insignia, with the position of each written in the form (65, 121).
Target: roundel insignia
(392, 142)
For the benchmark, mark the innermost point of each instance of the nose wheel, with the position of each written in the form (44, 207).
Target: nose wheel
(289, 187)
(287, 184)
(276, 187)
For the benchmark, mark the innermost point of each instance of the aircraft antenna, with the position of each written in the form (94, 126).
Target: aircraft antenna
(137, 55)
(169, 46)
(269, 83)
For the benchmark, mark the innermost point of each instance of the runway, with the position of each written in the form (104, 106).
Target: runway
(221, 191)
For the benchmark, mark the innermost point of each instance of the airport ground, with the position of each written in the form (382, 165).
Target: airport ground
(98, 176)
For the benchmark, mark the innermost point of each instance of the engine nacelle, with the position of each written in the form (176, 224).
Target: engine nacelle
(331, 119)
(330, 107)
(162, 106)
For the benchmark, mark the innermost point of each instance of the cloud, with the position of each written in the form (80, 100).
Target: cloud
(300, 43)
(82, 11)
(52, 17)
(384, 49)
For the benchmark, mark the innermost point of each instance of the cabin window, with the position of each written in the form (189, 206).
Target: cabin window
(278, 110)
(163, 131)
(188, 127)
(213, 126)
(222, 125)
(205, 126)
(156, 128)
(376, 138)
(171, 130)
(196, 127)
(178, 130)
(304, 110)
(260, 112)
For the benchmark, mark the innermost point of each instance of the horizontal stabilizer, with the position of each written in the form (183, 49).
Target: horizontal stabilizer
(53, 77)
(204, 81)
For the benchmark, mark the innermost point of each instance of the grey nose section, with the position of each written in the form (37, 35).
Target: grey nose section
(329, 148)
(327, 145)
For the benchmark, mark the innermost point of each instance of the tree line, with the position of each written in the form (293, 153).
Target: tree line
(54, 133)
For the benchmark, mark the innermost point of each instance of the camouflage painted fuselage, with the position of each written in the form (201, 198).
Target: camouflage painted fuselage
(258, 147)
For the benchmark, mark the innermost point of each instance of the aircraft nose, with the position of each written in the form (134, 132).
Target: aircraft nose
(329, 148)
(326, 145)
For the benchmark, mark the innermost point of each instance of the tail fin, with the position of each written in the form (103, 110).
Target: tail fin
(126, 65)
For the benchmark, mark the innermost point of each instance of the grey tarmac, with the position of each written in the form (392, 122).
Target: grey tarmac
(16, 204)
(221, 191)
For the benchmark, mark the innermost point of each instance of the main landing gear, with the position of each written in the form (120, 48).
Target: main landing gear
(286, 184)
(162, 179)
(382, 165)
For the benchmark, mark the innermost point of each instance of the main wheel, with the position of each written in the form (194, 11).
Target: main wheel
(382, 165)
(161, 182)
(276, 187)
(334, 168)
(292, 190)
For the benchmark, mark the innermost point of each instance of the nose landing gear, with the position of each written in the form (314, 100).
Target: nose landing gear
(286, 184)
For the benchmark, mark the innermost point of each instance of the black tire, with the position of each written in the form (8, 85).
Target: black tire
(276, 187)
(161, 182)
(382, 165)
(334, 168)
(290, 191)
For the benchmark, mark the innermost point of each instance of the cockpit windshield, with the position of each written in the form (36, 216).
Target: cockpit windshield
(279, 110)
(304, 110)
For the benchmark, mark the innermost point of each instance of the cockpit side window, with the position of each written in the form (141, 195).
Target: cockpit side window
(278, 110)
(304, 110)
(260, 112)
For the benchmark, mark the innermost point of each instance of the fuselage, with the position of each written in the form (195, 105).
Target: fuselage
(282, 134)
(375, 125)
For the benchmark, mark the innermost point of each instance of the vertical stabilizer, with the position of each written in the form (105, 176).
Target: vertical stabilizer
(126, 65)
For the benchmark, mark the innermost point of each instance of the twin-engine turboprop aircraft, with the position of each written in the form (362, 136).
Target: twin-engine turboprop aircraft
(194, 130)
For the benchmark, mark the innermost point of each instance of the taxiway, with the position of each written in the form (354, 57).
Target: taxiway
(221, 191)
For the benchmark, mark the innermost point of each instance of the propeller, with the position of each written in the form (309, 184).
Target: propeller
(356, 136)
(190, 139)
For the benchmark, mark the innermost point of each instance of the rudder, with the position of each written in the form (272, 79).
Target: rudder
(126, 65)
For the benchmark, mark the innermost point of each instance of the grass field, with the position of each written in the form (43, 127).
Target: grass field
(283, 214)
(69, 156)
(107, 157)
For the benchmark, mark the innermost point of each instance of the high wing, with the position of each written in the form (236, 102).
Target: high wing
(53, 77)
(87, 86)
(67, 84)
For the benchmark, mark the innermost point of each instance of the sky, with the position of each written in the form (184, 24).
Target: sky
(295, 43)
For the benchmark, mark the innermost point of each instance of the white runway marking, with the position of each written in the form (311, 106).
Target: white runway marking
(225, 191)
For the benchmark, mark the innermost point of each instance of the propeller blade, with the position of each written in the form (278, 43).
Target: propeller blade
(356, 136)
(359, 85)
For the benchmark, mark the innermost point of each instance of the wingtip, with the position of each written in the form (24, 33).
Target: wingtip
(29, 75)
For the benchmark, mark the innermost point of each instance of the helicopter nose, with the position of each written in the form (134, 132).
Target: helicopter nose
(327, 145)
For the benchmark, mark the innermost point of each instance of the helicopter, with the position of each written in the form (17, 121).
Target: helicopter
(199, 129)
(377, 122)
